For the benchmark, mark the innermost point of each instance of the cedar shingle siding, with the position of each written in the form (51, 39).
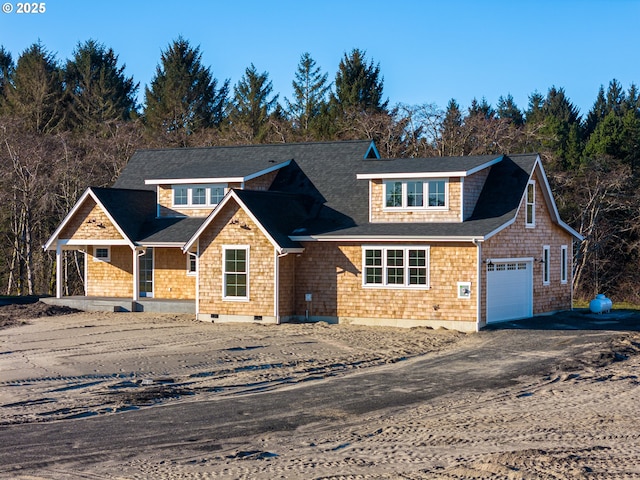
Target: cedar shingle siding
(306, 212)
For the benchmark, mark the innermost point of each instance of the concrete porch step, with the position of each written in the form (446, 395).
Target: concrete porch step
(112, 304)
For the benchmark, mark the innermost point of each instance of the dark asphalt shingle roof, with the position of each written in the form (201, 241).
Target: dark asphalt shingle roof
(427, 165)
(169, 230)
(497, 204)
(128, 208)
(279, 213)
(316, 192)
(225, 162)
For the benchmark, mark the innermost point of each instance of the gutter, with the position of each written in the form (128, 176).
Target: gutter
(478, 243)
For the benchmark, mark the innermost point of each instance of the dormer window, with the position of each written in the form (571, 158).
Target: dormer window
(198, 195)
(415, 194)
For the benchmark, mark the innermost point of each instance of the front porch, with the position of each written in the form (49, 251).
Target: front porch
(115, 304)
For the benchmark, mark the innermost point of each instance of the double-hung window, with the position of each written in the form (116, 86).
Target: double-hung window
(198, 195)
(235, 272)
(531, 204)
(564, 264)
(415, 194)
(180, 195)
(546, 268)
(396, 267)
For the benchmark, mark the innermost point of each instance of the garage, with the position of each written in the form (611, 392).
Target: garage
(509, 290)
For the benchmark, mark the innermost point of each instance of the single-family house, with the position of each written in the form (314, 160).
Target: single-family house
(326, 231)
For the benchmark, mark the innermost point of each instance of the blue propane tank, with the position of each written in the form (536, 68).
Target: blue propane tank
(600, 304)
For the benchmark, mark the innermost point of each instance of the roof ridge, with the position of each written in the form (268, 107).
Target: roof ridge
(118, 189)
(253, 145)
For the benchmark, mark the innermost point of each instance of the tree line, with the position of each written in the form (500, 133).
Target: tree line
(67, 125)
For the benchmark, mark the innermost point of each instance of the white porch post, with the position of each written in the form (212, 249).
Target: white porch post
(58, 270)
(136, 276)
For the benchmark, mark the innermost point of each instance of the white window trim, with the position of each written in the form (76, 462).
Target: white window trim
(190, 256)
(425, 194)
(546, 267)
(190, 188)
(564, 264)
(173, 196)
(106, 259)
(224, 272)
(532, 223)
(395, 286)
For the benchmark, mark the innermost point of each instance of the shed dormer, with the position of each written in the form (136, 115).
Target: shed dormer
(443, 189)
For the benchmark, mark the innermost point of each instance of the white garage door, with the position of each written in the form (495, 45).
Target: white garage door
(509, 290)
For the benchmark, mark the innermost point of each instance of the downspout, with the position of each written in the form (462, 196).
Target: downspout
(136, 272)
(58, 270)
(478, 244)
(197, 307)
(276, 286)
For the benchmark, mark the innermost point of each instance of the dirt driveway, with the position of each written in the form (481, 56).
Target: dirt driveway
(144, 396)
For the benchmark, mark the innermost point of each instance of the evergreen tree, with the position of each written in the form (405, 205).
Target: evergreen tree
(481, 109)
(359, 85)
(632, 101)
(615, 125)
(183, 97)
(98, 90)
(35, 90)
(534, 114)
(508, 109)
(310, 91)
(451, 138)
(615, 97)
(562, 128)
(597, 113)
(252, 102)
(6, 71)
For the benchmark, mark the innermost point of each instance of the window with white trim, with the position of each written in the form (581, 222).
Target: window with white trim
(180, 195)
(396, 267)
(198, 195)
(531, 204)
(564, 264)
(101, 254)
(415, 194)
(192, 263)
(235, 272)
(545, 265)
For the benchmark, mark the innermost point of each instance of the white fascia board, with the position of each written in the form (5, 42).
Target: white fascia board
(398, 175)
(488, 164)
(106, 243)
(278, 248)
(160, 244)
(267, 170)
(548, 194)
(88, 192)
(502, 227)
(193, 181)
(54, 236)
(402, 176)
(187, 246)
(390, 238)
(218, 208)
(196, 181)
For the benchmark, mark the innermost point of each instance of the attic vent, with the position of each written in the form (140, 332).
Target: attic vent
(372, 153)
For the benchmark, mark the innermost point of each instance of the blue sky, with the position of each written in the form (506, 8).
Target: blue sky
(428, 51)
